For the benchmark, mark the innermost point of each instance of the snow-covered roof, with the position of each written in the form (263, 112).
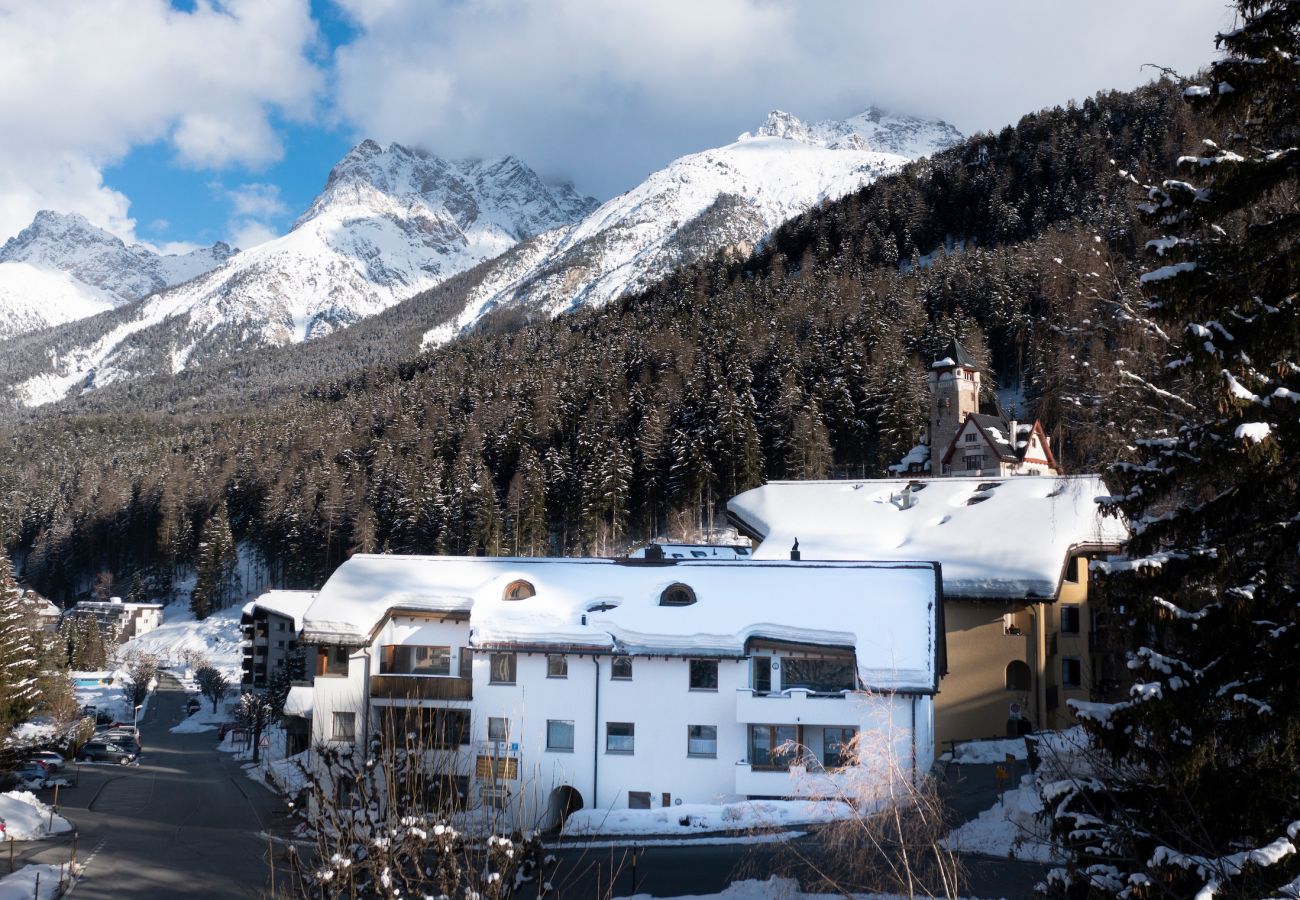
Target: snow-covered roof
(300, 700)
(290, 604)
(886, 611)
(995, 538)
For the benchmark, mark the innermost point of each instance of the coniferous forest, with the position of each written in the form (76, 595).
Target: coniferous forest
(595, 430)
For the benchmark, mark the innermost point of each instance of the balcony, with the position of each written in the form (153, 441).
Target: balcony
(796, 782)
(421, 687)
(800, 707)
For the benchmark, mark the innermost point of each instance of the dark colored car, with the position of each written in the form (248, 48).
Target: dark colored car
(122, 739)
(103, 751)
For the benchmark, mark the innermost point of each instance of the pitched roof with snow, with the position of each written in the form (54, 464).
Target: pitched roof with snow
(886, 611)
(995, 538)
(290, 604)
(957, 355)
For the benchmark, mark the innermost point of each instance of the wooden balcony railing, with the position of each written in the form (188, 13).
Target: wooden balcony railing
(420, 687)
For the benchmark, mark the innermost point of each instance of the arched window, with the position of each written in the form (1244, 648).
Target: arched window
(519, 590)
(1018, 675)
(677, 595)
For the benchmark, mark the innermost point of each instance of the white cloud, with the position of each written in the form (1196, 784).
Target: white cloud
(253, 207)
(82, 83)
(606, 90)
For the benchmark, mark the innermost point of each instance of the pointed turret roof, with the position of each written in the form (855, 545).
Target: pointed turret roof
(957, 356)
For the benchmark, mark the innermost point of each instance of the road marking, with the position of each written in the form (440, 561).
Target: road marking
(84, 868)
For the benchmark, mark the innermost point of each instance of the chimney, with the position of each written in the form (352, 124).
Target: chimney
(654, 551)
(1015, 435)
(794, 551)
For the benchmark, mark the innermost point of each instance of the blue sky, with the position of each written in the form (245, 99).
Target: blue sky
(183, 122)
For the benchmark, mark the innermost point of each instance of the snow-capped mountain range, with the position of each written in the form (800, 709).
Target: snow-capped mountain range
(62, 268)
(393, 222)
(728, 198)
(389, 224)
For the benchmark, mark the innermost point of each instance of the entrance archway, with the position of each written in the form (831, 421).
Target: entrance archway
(563, 802)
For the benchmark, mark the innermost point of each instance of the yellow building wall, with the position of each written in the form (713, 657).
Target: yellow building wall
(973, 700)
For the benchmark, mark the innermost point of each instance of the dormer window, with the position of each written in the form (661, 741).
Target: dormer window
(519, 590)
(677, 595)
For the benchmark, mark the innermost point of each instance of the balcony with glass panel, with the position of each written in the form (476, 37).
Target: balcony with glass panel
(419, 672)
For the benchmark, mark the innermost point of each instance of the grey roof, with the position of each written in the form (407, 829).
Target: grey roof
(959, 355)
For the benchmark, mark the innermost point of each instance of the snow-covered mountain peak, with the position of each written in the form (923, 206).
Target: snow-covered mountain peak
(875, 129)
(62, 267)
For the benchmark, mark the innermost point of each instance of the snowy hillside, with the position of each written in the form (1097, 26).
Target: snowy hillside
(62, 268)
(389, 224)
(724, 199)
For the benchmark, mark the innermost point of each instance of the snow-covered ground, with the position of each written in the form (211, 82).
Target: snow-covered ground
(773, 889)
(701, 818)
(205, 719)
(1010, 829)
(23, 884)
(217, 637)
(985, 752)
(28, 819)
(103, 690)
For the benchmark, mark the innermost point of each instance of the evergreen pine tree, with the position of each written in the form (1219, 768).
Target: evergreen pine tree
(216, 573)
(19, 666)
(1199, 797)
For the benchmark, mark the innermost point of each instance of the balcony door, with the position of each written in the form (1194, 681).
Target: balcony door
(773, 746)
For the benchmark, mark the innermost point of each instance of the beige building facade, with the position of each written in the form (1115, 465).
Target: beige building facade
(1014, 558)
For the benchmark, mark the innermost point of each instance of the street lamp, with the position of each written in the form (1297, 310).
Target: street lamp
(135, 720)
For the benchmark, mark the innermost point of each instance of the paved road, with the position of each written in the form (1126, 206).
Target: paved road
(185, 822)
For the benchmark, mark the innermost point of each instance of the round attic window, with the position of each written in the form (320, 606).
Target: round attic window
(519, 590)
(677, 595)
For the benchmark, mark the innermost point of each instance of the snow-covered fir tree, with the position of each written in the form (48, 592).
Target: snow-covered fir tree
(217, 573)
(19, 666)
(1200, 797)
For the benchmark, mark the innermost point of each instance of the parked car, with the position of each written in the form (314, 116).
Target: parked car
(103, 751)
(52, 761)
(31, 775)
(121, 739)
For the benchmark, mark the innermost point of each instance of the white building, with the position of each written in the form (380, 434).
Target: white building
(556, 684)
(126, 620)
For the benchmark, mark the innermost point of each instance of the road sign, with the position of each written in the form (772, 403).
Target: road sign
(265, 741)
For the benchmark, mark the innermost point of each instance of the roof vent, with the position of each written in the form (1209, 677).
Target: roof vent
(978, 498)
(654, 551)
(794, 551)
(987, 486)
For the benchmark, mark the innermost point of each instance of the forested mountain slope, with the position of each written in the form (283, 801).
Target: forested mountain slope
(581, 433)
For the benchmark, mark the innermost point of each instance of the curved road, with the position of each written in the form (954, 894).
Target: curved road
(185, 822)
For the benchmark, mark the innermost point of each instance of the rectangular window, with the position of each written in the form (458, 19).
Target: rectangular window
(345, 726)
(701, 740)
(466, 667)
(413, 726)
(559, 734)
(557, 665)
(638, 799)
(826, 676)
(974, 463)
(704, 674)
(762, 674)
(1072, 569)
(332, 661)
(1071, 672)
(772, 746)
(836, 746)
(620, 737)
(401, 659)
(498, 729)
(345, 790)
(621, 668)
(970, 437)
(1069, 619)
(503, 668)
(279, 627)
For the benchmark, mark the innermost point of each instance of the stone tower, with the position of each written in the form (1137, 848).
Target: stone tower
(954, 393)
